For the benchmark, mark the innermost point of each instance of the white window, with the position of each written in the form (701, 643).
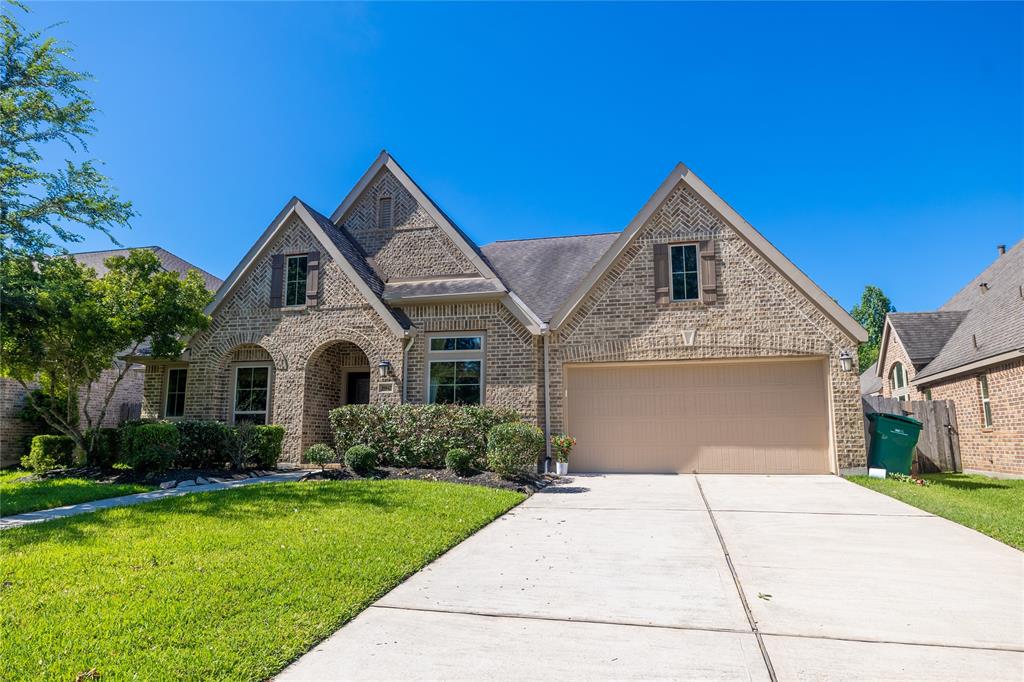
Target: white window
(174, 402)
(295, 280)
(455, 369)
(898, 382)
(252, 394)
(685, 276)
(385, 218)
(986, 405)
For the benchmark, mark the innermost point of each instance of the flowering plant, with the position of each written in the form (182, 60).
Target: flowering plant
(562, 445)
(903, 478)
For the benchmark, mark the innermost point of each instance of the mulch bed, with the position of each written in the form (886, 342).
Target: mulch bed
(126, 476)
(526, 483)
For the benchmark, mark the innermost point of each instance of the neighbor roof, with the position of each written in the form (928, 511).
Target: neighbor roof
(924, 334)
(870, 382)
(544, 272)
(993, 315)
(171, 263)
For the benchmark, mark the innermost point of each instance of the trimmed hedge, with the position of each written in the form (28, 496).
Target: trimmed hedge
(460, 461)
(106, 449)
(417, 435)
(321, 455)
(361, 459)
(149, 446)
(267, 446)
(202, 444)
(49, 452)
(514, 449)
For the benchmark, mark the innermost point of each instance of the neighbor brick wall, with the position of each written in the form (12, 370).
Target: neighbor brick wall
(758, 313)
(1001, 447)
(414, 247)
(895, 352)
(13, 431)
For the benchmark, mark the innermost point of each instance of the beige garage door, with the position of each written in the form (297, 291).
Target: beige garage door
(708, 417)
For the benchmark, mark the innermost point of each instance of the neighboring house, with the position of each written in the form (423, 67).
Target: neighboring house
(970, 351)
(685, 342)
(127, 400)
(870, 382)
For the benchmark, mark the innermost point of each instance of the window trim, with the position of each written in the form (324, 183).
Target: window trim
(901, 393)
(986, 401)
(232, 397)
(671, 279)
(284, 278)
(434, 356)
(167, 392)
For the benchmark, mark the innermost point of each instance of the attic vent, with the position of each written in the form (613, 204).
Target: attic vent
(384, 216)
(984, 286)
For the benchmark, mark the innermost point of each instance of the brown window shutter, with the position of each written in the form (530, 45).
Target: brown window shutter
(312, 277)
(276, 279)
(708, 277)
(661, 274)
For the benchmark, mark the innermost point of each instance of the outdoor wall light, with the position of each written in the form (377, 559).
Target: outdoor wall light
(384, 367)
(845, 360)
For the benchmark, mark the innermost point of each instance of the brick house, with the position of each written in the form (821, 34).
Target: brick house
(970, 351)
(685, 342)
(127, 400)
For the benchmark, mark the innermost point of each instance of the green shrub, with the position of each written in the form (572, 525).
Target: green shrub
(105, 448)
(241, 444)
(361, 459)
(202, 444)
(267, 446)
(320, 454)
(49, 452)
(149, 446)
(460, 460)
(416, 435)
(514, 449)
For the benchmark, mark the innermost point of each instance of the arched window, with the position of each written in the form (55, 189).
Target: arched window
(898, 382)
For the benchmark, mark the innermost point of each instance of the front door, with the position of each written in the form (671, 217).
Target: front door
(358, 390)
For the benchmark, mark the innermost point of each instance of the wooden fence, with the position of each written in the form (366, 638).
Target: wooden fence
(938, 448)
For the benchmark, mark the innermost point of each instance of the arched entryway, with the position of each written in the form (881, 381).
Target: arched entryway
(337, 373)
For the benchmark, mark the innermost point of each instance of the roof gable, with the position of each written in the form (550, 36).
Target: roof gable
(681, 174)
(170, 262)
(924, 334)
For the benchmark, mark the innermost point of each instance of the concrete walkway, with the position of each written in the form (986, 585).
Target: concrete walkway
(16, 520)
(698, 577)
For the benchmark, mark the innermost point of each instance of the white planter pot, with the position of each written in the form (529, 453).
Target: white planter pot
(561, 468)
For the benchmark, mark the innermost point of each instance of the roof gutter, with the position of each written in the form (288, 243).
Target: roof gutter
(963, 369)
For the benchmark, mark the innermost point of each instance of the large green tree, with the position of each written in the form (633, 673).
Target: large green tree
(45, 109)
(62, 326)
(870, 312)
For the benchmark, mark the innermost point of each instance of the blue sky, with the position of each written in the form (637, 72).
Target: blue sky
(872, 143)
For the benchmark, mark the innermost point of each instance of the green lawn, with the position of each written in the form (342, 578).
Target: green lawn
(16, 498)
(993, 506)
(222, 585)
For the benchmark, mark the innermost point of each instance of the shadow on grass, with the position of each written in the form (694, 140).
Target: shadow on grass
(249, 503)
(959, 482)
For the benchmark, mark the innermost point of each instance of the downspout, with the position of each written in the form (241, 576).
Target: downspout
(545, 333)
(405, 366)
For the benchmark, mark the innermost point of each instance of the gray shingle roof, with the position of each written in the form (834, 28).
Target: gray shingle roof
(869, 383)
(171, 263)
(994, 315)
(924, 334)
(545, 272)
(442, 287)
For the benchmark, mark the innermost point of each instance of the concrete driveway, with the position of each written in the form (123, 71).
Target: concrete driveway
(698, 577)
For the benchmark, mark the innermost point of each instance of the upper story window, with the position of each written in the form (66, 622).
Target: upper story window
(174, 404)
(455, 370)
(295, 280)
(898, 382)
(986, 404)
(685, 277)
(385, 217)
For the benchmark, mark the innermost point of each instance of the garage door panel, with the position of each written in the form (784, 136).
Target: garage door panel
(741, 417)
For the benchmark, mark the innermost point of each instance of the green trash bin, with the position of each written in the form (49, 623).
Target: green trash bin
(892, 442)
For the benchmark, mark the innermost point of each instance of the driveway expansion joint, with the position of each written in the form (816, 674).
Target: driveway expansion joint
(739, 585)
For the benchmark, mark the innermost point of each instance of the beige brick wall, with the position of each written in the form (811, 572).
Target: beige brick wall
(13, 431)
(999, 448)
(895, 352)
(758, 313)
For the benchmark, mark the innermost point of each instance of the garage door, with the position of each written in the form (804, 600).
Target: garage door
(708, 417)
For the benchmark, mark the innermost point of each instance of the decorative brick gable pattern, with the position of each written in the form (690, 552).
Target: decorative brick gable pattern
(758, 313)
(414, 247)
(289, 337)
(510, 365)
(998, 448)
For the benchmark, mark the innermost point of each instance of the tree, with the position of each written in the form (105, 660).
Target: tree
(63, 326)
(44, 107)
(870, 312)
